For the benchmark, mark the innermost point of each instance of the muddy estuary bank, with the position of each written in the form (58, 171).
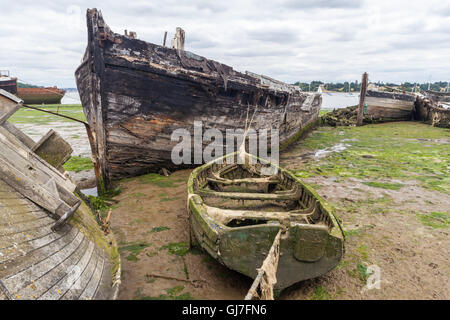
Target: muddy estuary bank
(389, 184)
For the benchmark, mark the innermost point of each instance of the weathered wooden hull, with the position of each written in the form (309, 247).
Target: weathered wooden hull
(309, 250)
(135, 94)
(430, 110)
(40, 95)
(44, 255)
(438, 97)
(388, 105)
(8, 84)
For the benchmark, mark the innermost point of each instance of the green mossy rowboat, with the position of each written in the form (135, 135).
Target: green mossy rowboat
(236, 212)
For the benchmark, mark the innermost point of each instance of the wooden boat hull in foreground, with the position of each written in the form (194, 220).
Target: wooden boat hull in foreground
(51, 246)
(238, 228)
(388, 106)
(135, 94)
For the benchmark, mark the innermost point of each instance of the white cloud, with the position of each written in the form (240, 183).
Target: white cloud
(43, 42)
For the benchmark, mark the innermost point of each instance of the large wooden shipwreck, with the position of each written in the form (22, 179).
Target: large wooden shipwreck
(434, 108)
(388, 106)
(135, 94)
(236, 213)
(51, 246)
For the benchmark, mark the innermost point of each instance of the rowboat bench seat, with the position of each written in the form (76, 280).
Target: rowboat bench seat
(294, 195)
(245, 180)
(225, 216)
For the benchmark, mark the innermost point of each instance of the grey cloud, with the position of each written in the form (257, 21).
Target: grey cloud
(257, 52)
(308, 4)
(284, 39)
(277, 36)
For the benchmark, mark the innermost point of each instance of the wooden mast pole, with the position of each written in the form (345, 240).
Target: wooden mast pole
(362, 97)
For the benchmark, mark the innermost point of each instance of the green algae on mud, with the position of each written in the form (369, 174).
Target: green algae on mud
(177, 248)
(78, 164)
(159, 229)
(25, 115)
(155, 179)
(396, 150)
(174, 293)
(134, 250)
(384, 185)
(435, 220)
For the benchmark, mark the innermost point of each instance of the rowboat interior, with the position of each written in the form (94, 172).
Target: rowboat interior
(238, 195)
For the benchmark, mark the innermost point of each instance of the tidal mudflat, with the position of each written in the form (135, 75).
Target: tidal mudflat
(36, 124)
(389, 186)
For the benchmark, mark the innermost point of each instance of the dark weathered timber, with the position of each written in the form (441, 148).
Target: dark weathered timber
(362, 97)
(438, 97)
(382, 105)
(431, 112)
(135, 94)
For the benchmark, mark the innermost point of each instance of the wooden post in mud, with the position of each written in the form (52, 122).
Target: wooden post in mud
(362, 95)
(165, 38)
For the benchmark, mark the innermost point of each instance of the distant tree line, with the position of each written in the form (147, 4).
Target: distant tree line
(356, 86)
(26, 85)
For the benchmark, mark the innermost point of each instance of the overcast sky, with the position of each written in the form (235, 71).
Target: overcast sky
(42, 42)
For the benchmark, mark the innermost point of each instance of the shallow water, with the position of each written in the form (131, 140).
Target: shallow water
(71, 97)
(321, 153)
(90, 192)
(73, 132)
(336, 100)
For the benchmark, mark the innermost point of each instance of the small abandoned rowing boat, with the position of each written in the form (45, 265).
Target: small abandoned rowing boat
(236, 213)
(388, 106)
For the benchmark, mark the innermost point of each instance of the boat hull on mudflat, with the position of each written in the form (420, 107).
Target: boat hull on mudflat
(235, 214)
(50, 95)
(385, 106)
(135, 94)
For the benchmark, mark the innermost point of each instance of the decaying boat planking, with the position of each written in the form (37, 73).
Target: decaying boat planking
(51, 246)
(388, 106)
(438, 97)
(135, 94)
(235, 214)
(429, 109)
